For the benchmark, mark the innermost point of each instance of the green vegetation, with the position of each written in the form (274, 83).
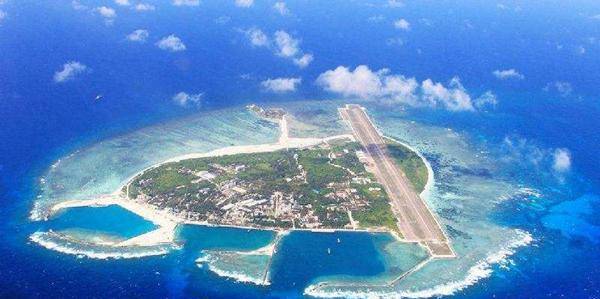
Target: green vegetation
(379, 213)
(310, 188)
(412, 165)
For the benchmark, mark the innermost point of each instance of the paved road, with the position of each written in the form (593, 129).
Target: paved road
(415, 221)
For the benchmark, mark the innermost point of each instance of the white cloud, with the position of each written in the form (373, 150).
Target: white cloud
(402, 24)
(257, 37)
(171, 43)
(376, 18)
(486, 99)
(77, 5)
(281, 8)
(222, 20)
(303, 61)
(454, 98)
(395, 3)
(139, 35)
(282, 44)
(365, 84)
(597, 17)
(287, 46)
(186, 2)
(2, 15)
(561, 160)
(244, 3)
(144, 7)
(508, 74)
(184, 99)
(395, 41)
(69, 71)
(520, 151)
(106, 12)
(281, 85)
(383, 86)
(562, 87)
(122, 2)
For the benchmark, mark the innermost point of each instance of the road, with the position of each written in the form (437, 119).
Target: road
(415, 221)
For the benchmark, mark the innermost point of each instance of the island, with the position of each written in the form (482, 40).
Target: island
(326, 186)
(362, 181)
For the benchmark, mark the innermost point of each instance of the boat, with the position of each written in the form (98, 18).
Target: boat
(98, 97)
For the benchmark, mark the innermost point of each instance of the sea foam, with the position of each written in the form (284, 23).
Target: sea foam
(481, 270)
(211, 261)
(57, 242)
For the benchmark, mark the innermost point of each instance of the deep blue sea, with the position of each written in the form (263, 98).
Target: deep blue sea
(543, 129)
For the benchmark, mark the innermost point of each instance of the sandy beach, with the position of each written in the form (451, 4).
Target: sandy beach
(167, 221)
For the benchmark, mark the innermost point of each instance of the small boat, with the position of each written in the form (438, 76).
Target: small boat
(338, 240)
(98, 97)
(328, 250)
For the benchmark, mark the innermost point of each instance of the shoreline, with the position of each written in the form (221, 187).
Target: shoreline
(167, 221)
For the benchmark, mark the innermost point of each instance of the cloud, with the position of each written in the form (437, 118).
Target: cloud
(486, 99)
(222, 20)
(395, 3)
(303, 61)
(139, 35)
(283, 45)
(561, 160)
(2, 15)
(106, 12)
(257, 37)
(69, 71)
(508, 74)
(562, 87)
(454, 97)
(77, 5)
(144, 7)
(122, 2)
(376, 18)
(522, 152)
(186, 2)
(287, 46)
(361, 82)
(383, 86)
(281, 85)
(244, 3)
(184, 99)
(402, 24)
(281, 8)
(395, 41)
(171, 43)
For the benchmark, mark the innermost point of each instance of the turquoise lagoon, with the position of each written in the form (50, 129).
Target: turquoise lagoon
(316, 264)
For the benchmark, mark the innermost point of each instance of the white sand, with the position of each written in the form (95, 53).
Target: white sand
(167, 221)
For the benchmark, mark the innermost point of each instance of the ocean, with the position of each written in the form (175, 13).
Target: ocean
(522, 216)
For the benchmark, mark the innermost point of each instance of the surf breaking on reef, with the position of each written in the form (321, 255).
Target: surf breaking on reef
(163, 245)
(481, 270)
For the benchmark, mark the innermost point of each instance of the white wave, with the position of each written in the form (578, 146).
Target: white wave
(48, 241)
(481, 270)
(522, 192)
(37, 213)
(210, 261)
(237, 276)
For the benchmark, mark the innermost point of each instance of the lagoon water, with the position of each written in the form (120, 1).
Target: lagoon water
(520, 228)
